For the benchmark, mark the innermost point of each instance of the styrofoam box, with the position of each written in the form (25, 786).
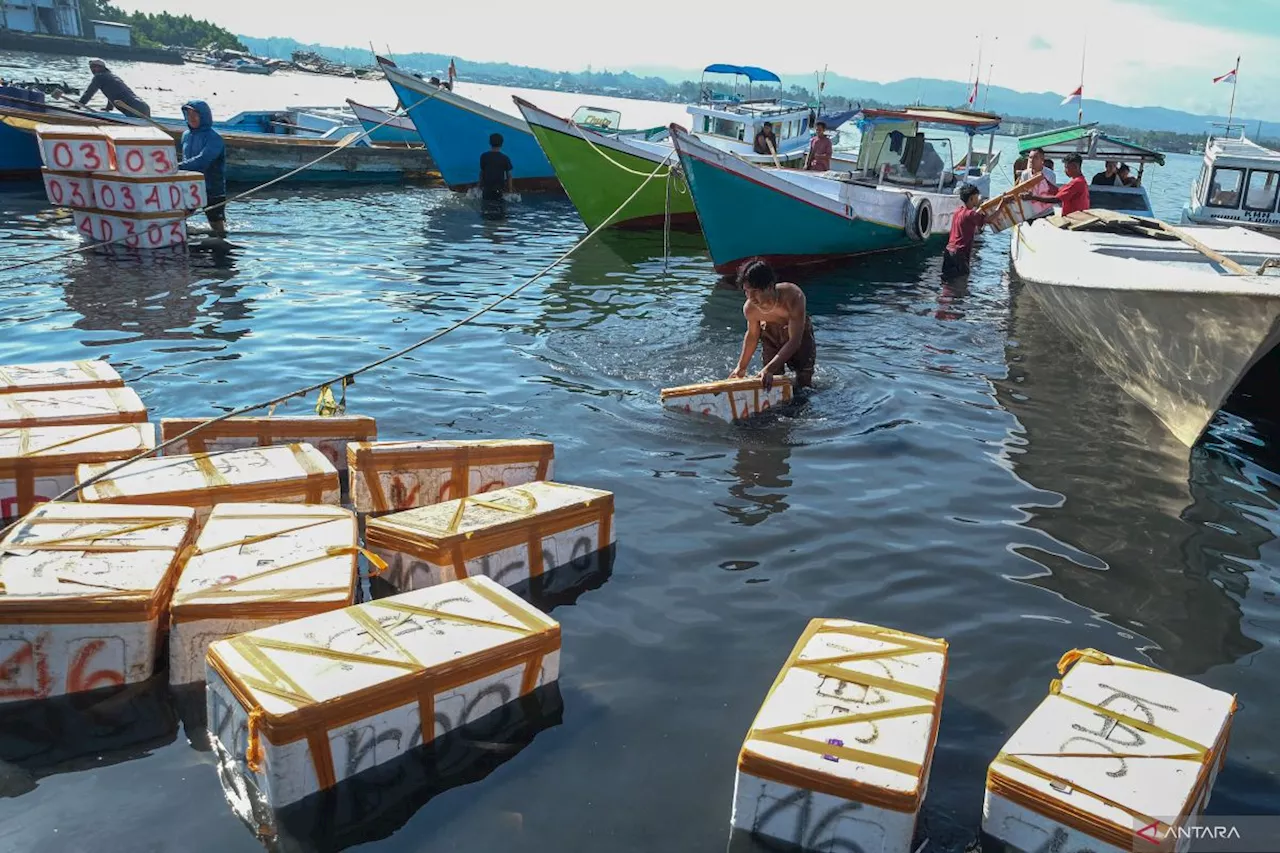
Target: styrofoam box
(510, 535)
(1137, 745)
(329, 435)
(143, 152)
(66, 408)
(838, 756)
(396, 475)
(74, 148)
(133, 231)
(296, 473)
(70, 189)
(39, 463)
(85, 588)
(730, 399)
(175, 193)
(58, 376)
(326, 693)
(256, 565)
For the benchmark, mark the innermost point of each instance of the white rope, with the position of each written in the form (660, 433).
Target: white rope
(601, 152)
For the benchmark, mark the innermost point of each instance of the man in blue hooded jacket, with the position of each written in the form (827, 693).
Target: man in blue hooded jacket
(204, 151)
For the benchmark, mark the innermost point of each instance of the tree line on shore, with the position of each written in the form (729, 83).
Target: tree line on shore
(160, 29)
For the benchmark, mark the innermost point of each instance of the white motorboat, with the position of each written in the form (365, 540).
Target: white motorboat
(1237, 185)
(1175, 316)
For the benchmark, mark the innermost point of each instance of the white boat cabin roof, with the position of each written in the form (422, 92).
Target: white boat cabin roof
(1240, 152)
(759, 111)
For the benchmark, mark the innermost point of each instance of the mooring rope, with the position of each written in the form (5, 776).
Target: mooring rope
(602, 153)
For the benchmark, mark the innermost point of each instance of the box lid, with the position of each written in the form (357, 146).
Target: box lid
(72, 131)
(58, 375)
(68, 562)
(203, 479)
(853, 713)
(80, 406)
(750, 383)
(137, 133)
(63, 447)
(269, 560)
(445, 453)
(273, 429)
(120, 177)
(1114, 746)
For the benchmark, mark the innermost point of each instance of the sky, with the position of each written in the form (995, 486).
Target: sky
(1137, 52)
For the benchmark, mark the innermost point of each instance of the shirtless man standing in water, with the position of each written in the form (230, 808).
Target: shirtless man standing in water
(775, 314)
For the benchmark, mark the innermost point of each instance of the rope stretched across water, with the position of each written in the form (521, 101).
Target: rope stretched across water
(351, 374)
(346, 143)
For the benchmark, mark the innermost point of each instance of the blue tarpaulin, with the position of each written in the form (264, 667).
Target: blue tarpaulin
(751, 72)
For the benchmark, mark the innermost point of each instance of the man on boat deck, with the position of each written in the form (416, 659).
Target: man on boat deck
(495, 170)
(113, 89)
(1108, 177)
(766, 142)
(1036, 165)
(204, 151)
(964, 229)
(776, 316)
(1074, 195)
(819, 149)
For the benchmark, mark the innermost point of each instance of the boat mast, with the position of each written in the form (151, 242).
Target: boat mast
(990, 70)
(1080, 107)
(1231, 110)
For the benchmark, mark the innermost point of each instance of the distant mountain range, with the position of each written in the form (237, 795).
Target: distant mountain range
(934, 92)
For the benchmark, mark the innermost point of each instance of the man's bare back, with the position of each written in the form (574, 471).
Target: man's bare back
(776, 317)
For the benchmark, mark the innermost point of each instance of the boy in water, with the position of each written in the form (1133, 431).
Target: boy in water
(203, 150)
(775, 314)
(495, 170)
(965, 225)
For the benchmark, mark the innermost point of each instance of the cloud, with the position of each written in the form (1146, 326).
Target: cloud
(1039, 43)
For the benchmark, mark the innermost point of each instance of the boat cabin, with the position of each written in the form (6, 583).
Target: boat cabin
(898, 148)
(1238, 183)
(1096, 148)
(597, 118)
(730, 121)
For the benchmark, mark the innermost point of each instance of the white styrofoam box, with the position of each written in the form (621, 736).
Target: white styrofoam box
(143, 152)
(1012, 208)
(295, 473)
(75, 406)
(132, 231)
(70, 189)
(298, 708)
(329, 435)
(175, 193)
(395, 475)
(730, 399)
(510, 535)
(58, 376)
(256, 565)
(1115, 747)
(85, 591)
(39, 463)
(839, 754)
(74, 148)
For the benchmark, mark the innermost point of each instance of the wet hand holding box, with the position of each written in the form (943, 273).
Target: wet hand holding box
(1115, 747)
(67, 408)
(86, 589)
(510, 535)
(70, 189)
(39, 463)
(329, 435)
(730, 399)
(297, 708)
(58, 376)
(75, 148)
(297, 473)
(396, 475)
(175, 193)
(256, 565)
(839, 753)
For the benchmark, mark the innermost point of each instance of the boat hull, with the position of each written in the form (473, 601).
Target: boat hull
(19, 153)
(456, 131)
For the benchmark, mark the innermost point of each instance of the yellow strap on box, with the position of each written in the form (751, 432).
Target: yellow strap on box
(531, 507)
(1140, 725)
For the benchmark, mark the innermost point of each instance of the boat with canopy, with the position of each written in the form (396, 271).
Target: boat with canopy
(1095, 146)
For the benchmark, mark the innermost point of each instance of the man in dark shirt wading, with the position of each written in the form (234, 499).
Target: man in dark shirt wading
(495, 170)
(113, 89)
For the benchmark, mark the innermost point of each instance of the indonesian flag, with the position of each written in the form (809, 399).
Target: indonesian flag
(973, 94)
(453, 72)
(1074, 97)
(1229, 77)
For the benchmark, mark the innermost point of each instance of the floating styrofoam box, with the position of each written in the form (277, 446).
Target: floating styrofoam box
(143, 152)
(85, 591)
(838, 756)
(293, 474)
(58, 376)
(328, 435)
(132, 231)
(257, 565)
(175, 193)
(66, 408)
(39, 463)
(297, 708)
(70, 189)
(74, 148)
(729, 399)
(394, 475)
(1115, 748)
(510, 535)
(1012, 208)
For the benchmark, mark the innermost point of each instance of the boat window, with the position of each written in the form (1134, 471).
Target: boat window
(724, 127)
(706, 124)
(1224, 188)
(1262, 190)
(1117, 198)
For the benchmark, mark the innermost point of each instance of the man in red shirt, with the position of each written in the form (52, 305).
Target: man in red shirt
(819, 149)
(1074, 195)
(965, 225)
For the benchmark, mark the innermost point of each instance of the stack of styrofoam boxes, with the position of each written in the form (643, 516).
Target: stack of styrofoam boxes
(122, 183)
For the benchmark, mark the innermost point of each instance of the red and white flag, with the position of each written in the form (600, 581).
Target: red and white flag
(1229, 77)
(973, 94)
(1074, 97)
(453, 72)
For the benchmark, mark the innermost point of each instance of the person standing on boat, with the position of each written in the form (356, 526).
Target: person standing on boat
(776, 317)
(1108, 177)
(765, 141)
(1048, 180)
(1128, 180)
(113, 89)
(1074, 194)
(495, 170)
(819, 149)
(204, 151)
(965, 225)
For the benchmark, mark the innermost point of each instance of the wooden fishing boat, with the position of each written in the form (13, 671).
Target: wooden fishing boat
(1094, 146)
(385, 127)
(1176, 317)
(1237, 185)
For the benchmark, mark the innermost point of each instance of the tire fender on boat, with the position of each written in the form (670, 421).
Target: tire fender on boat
(919, 218)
